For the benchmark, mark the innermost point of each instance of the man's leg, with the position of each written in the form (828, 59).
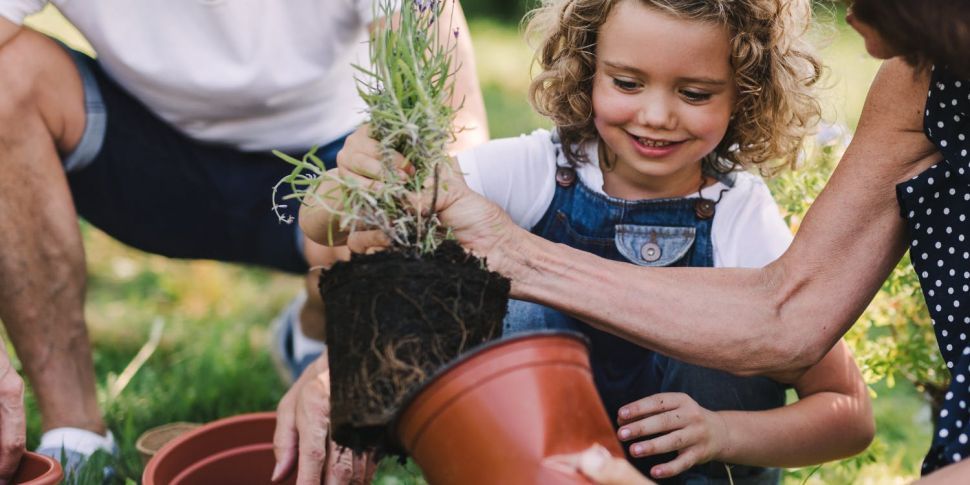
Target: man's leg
(42, 267)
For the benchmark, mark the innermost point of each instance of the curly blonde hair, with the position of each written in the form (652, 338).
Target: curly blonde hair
(775, 71)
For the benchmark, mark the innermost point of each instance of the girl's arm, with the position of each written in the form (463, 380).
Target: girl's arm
(357, 162)
(832, 419)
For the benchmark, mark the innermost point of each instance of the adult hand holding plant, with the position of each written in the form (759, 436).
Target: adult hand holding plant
(478, 224)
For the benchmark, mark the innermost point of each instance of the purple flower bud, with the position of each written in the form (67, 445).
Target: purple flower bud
(456, 32)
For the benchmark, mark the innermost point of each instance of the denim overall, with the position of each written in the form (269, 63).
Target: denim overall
(666, 232)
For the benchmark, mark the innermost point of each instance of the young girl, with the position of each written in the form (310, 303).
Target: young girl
(656, 103)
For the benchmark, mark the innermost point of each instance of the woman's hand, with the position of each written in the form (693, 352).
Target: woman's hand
(597, 464)
(696, 434)
(302, 436)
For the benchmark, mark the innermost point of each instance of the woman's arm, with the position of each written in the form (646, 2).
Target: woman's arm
(776, 321)
(832, 420)
(955, 473)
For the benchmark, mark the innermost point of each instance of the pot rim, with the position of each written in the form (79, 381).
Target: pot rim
(153, 464)
(438, 374)
(53, 467)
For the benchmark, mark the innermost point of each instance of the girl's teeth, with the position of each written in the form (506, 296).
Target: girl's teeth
(652, 143)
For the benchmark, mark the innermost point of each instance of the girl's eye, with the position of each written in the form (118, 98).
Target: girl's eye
(625, 85)
(695, 96)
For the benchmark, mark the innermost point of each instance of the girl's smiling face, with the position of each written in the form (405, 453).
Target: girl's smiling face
(663, 94)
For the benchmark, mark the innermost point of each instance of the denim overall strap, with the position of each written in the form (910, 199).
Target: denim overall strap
(663, 232)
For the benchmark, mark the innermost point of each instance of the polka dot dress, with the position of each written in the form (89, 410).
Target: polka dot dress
(936, 205)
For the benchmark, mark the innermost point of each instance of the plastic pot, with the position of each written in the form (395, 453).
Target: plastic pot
(35, 469)
(237, 450)
(499, 413)
(155, 438)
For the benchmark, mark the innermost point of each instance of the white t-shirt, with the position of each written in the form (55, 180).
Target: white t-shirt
(518, 174)
(255, 74)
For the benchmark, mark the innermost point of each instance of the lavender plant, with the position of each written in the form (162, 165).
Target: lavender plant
(408, 91)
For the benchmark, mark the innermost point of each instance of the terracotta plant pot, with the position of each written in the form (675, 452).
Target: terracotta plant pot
(237, 450)
(155, 438)
(497, 414)
(38, 469)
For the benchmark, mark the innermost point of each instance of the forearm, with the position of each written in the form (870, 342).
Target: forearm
(955, 473)
(318, 218)
(820, 428)
(471, 121)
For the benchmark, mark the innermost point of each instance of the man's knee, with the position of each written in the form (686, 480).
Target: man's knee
(39, 81)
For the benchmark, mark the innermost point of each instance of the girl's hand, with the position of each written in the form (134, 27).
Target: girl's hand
(479, 225)
(696, 434)
(359, 159)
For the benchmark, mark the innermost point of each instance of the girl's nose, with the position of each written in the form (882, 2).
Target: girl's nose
(657, 113)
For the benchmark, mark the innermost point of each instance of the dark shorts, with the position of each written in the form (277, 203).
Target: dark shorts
(146, 184)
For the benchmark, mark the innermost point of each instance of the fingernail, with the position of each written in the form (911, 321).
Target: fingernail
(276, 472)
(624, 413)
(637, 450)
(624, 433)
(594, 458)
(658, 472)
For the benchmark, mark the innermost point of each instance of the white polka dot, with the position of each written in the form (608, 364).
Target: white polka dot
(909, 190)
(944, 433)
(938, 245)
(930, 180)
(956, 303)
(949, 395)
(944, 413)
(963, 438)
(957, 457)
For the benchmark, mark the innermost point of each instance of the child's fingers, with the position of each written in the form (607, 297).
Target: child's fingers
(367, 242)
(652, 425)
(684, 461)
(677, 440)
(368, 183)
(648, 406)
(366, 166)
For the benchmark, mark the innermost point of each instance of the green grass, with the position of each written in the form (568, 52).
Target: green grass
(212, 360)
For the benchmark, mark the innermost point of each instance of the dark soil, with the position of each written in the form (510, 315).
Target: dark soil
(393, 319)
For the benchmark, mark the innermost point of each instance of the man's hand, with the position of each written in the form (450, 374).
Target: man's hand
(13, 428)
(302, 435)
(695, 433)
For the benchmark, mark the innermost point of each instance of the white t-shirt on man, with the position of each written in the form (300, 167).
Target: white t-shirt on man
(518, 174)
(254, 74)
